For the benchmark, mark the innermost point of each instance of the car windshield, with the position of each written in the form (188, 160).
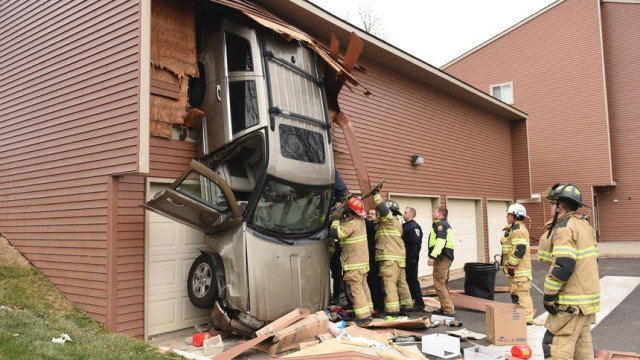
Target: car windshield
(287, 208)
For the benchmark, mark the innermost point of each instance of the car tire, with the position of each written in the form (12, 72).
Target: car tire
(201, 283)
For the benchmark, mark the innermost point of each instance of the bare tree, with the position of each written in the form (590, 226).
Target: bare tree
(371, 21)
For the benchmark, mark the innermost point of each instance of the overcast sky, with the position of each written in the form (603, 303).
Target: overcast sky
(437, 31)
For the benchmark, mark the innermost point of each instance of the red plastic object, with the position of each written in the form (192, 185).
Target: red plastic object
(199, 338)
(521, 351)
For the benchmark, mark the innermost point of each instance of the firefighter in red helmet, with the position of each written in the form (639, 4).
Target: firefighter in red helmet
(349, 229)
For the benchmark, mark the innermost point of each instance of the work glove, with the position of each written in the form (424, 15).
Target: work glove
(549, 302)
(511, 270)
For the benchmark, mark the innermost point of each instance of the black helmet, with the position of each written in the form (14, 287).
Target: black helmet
(394, 207)
(563, 191)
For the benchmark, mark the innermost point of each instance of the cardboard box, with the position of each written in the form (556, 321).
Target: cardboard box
(302, 331)
(506, 324)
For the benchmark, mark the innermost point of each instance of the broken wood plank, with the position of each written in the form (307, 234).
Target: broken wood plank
(336, 355)
(470, 302)
(411, 354)
(432, 292)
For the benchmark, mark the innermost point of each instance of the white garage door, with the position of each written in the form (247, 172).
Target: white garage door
(463, 219)
(496, 221)
(172, 247)
(424, 208)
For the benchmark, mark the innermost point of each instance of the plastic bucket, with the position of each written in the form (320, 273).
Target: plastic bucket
(480, 280)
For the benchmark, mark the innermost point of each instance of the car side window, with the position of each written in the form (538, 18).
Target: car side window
(202, 189)
(238, 53)
(243, 99)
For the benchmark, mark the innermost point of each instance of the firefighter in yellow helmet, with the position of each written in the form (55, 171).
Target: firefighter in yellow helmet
(350, 231)
(571, 288)
(516, 259)
(391, 257)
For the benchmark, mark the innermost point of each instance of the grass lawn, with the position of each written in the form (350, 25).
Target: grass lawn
(33, 311)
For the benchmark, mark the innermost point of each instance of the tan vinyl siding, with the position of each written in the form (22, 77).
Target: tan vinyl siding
(621, 32)
(69, 115)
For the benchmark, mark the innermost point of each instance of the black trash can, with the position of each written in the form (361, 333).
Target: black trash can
(480, 280)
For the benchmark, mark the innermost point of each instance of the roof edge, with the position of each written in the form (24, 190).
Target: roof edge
(503, 33)
(318, 11)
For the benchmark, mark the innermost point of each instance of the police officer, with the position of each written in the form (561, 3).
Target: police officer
(412, 237)
(349, 229)
(516, 260)
(441, 257)
(391, 257)
(571, 288)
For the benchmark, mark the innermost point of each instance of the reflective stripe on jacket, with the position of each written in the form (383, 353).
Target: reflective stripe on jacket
(389, 243)
(572, 252)
(441, 240)
(516, 236)
(352, 236)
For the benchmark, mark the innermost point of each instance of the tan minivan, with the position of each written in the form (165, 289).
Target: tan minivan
(262, 189)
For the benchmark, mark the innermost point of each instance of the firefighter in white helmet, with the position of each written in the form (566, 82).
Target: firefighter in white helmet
(516, 259)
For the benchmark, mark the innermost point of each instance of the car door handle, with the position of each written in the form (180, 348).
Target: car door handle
(219, 92)
(175, 202)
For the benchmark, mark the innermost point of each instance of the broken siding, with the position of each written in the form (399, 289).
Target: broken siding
(69, 84)
(621, 32)
(555, 63)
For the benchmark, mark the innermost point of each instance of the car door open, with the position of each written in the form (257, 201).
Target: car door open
(198, 198)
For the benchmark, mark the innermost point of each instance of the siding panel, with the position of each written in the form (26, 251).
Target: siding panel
(621, 32)
(69, 84)
(555, 63)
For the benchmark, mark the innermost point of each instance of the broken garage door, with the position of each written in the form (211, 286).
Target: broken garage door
(171, 248)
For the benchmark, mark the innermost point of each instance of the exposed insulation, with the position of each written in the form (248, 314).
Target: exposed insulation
(173, 58)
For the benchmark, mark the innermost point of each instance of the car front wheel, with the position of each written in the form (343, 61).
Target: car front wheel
(201, 284)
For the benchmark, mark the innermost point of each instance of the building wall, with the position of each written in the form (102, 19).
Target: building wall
(557, 73)
(168, 159)
(467, 151)
(69, 115)
(621, 33)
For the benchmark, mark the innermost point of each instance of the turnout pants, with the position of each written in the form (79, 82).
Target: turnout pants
(359, 292)
(520, 287)
(568, 336)
(395, 286)
(441, 283)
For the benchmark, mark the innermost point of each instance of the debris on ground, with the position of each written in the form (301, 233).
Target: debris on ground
(62, 339)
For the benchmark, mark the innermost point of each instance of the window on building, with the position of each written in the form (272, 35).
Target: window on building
(503, 92)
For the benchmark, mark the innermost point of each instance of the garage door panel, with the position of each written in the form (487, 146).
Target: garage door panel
(424, 208)
(163, 273)
(172, 247)
(463, 219)
(496, 221)
(192, 314)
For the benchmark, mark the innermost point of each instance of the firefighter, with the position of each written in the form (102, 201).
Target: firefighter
(571, 287)
(391, 257)
(349, 229)
(441, 257)
(516, 260)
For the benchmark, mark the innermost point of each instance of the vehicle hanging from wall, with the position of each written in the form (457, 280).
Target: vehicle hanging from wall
(261, 193)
